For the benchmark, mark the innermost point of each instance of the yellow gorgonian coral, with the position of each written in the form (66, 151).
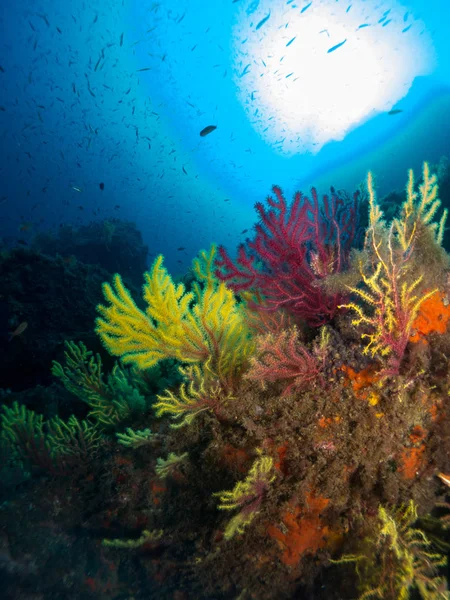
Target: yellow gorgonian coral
(396, 560)
(247, 495)
(198, 394)
(419, 209)
(391, 295)
(193, 327)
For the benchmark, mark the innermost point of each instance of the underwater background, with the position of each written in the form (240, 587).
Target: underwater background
(224, 298)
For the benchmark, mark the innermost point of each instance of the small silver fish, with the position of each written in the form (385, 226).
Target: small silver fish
(261, 23)
(19, 330)
(333, 48)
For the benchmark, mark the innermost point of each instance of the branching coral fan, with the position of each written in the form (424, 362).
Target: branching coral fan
(189, 326)
(293, 250)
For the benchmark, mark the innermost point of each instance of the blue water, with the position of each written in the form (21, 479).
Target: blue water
(117, 92)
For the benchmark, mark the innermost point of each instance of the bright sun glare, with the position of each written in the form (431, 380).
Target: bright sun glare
(298, 94)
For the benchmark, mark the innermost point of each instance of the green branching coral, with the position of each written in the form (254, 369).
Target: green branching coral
(125, 399)
(82, 373)
(247, 495)
(110, 401)
(135, 439)
(23, 431)
(397, 558)
(53, 445)
(74, 438)
(156, 379)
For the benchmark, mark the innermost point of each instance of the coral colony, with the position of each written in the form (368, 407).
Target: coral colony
(304, 420)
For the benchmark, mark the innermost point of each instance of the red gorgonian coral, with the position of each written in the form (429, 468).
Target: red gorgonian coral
(293, 250)
(282, 357)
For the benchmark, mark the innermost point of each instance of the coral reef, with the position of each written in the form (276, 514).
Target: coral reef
(279, 424)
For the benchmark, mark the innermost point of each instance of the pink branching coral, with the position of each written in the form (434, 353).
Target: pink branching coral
(284, 357)
(293, 250)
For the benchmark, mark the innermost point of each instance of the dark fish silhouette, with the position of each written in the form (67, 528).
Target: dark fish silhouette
(261, 23)
(207, 130)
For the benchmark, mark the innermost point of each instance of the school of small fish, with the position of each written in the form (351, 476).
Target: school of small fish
(86, 103)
